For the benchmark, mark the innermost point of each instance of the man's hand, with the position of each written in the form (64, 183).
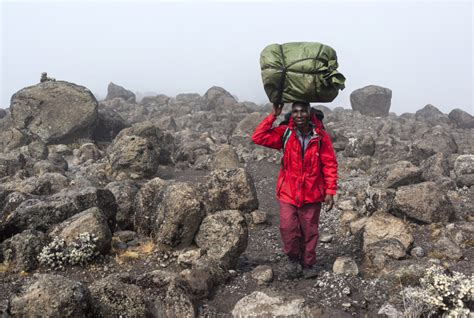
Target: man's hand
(329, 202)
(277, 109)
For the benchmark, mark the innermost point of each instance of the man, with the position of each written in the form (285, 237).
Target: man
(308, 177)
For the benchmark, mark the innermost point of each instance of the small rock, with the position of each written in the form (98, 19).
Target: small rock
(417, 251)
(345, 265)
(263, 274)
(326, 238)
(346, 305)
(346, 291)
(259, 217)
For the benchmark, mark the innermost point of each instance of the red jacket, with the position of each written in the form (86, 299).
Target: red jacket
(301, 179)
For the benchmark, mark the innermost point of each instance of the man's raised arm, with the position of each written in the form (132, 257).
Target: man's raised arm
(267, 136)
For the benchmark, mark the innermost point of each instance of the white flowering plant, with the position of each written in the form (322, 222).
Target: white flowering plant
(441, 293)
(58, 254)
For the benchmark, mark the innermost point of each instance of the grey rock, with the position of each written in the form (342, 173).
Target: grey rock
(444, 247)
(258, 217)
(435, 167)
(124, 193)
(432, 115)
(91, 221)
(224, 235)
(345, 265)
(51, 296)
(116, 91)
(372, 100)
(20, 252)
(109, 124)
(178, 215)
(396, 175)
(116, 296)
(259, 304)
(147, 199)
(43, 214)
(226, 158)
(424, 202)
(86, 152)
(382, 226)
(461, 118)
(231, 189)
(263, 274)
(217, 98)
(464, 170)
(74, 108)
(417, 251)
(133, 154)
(360, 145)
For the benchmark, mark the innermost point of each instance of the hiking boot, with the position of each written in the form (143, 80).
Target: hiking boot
(309, 272)
(293, 269)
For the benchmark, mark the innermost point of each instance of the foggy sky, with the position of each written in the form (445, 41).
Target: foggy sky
(422, 50)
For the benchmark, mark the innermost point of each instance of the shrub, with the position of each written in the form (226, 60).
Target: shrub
(441, 293)
(58, 254)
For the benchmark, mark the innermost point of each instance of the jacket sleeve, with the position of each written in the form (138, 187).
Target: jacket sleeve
(267, 136)
(329, 164)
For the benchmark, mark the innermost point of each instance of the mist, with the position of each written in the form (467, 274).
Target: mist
(422, 51)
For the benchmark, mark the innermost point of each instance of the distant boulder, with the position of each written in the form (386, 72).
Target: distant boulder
(58, 112)
(109, 124)
(432, 115)
(114, 91)
(217, 98)
(3, 113)
(461, 118)
(372, 100)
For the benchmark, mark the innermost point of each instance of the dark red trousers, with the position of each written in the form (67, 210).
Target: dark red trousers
(299, 231)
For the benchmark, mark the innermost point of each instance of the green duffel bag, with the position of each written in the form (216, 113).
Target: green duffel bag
(300, 71)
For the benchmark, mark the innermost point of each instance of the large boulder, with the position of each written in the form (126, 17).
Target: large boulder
(396, 175)
(361, 145)
(42, 214)
(133, 155)
(163, 142)
(372, 100)
(224, 235)
(50, 295)
(383, 226)
(58, 112)
(11, 163)
(178, 215)
(424, 202)
(434, 140)
(124, 193)
(90, 221)
(109, 124)
(21, 251)
(217, 98)
(461, 118)
(231, 189)
(117, 296)
(432, 115)
(435, 167)
(464, 170)
(145, 203)
(259, 304)
(116, 91)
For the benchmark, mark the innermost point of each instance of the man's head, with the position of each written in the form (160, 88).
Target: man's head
(300, 111)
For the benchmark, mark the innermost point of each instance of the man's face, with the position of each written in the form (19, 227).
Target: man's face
(300, 114)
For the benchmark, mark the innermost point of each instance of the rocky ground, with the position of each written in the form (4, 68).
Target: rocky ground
(164, 207)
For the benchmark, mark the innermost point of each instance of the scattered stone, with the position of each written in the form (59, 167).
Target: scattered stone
(259, 304)
(385, 226)
(116, 91)
(346, 266)
(263, 274)
(326, 238)
(259, 217)
(417, 251)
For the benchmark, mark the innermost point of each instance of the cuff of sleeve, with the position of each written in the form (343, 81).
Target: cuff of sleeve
(331, 192)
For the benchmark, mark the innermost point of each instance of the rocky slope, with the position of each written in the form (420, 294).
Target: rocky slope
(165, 208)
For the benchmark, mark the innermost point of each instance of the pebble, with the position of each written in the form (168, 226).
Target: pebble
(346, 291)
(326, 238)
(417, 252)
